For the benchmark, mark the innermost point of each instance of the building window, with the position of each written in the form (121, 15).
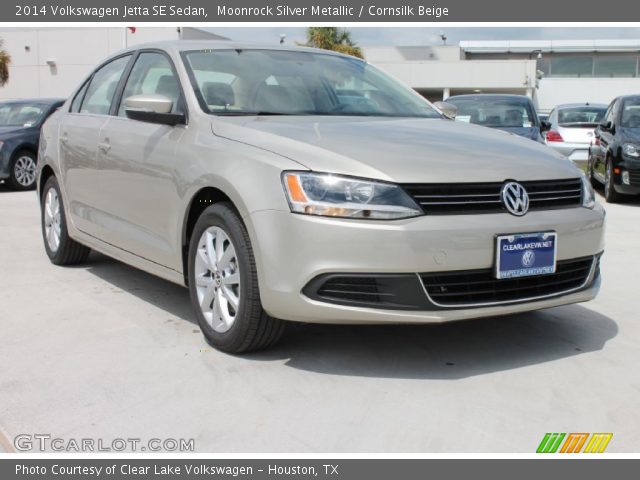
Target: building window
(572, 66)
(615, 66)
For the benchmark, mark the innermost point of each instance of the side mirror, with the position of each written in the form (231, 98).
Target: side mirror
(153, 109)
(545, 125)
(448, 109)
(605, 125)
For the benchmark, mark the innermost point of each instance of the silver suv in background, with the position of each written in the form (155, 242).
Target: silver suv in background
(572, 129)
(290, 184)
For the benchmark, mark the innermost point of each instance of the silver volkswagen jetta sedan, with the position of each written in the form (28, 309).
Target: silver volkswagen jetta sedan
(302, 185)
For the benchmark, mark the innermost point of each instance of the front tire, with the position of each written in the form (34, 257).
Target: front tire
(23, 171)
(223, 284)
(610, 194)
(60, 247)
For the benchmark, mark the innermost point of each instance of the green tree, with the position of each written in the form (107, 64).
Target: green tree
(5, 60)
(333, 38)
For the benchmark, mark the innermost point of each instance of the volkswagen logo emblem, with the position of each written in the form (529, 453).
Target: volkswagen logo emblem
(528, 258)
(515, 198)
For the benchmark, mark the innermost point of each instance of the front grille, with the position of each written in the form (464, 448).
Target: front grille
(477, 287)
(465, 198)
(354, 289)
(634, 177)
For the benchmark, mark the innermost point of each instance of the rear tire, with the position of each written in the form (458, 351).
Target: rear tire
(60, 247)
(23, 171)
(610, 194)
(223, 284)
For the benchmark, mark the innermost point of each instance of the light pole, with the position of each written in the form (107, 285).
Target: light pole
(539, 52)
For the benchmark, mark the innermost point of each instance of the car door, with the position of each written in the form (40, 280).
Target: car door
(78, 136)
(139, 185)
(604, 138)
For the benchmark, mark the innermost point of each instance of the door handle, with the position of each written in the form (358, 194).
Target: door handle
(104, 146)
(64, 138)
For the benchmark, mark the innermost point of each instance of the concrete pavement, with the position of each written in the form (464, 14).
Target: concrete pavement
(104, 351)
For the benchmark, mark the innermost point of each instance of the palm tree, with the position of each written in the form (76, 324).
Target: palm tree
(332, 38)
(5, 60)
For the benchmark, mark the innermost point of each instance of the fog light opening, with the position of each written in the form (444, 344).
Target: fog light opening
(625, 178)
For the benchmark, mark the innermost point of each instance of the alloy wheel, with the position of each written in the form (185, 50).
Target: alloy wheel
(52, 218)
(217, 279)
(25, 170)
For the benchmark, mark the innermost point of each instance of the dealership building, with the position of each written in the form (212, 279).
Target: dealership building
(51, 62)
(550, 72)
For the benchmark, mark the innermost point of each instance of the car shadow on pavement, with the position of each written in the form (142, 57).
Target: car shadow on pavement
(170, 297)
(444, 351)
(437, 351)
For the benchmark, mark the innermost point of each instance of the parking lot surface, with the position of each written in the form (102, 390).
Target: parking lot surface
(105, 351)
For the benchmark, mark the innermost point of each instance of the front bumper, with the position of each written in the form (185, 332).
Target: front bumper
(292, 249)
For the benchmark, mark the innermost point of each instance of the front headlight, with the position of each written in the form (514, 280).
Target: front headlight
(588, 194)
(1, 144)
(337, 196)
(631, 150)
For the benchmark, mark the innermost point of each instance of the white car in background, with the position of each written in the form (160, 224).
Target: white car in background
(572, 129)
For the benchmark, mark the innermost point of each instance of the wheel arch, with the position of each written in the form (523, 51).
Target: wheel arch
(203, 198)
(46, 173)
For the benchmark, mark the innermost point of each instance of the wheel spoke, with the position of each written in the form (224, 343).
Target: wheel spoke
(207, 298)
(211, 252)
(204, 281)
(231, 279)
(230, 297)
(220, 239)
(228, 255)
(218, 316)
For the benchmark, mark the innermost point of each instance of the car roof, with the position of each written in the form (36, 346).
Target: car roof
(38, 101)
(178, 46)
(586, 104)
(629, 97)
(491, 95)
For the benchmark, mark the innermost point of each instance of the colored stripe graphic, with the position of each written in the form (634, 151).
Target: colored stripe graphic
(550, 442)
(574, 443)
(598, 442)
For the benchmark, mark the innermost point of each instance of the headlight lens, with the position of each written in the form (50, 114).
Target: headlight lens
(1, 144)
(337, 196)
(588, 194)
(631, 150)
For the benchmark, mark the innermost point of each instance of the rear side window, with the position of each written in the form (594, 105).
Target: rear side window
(102, 87)
(152, 74)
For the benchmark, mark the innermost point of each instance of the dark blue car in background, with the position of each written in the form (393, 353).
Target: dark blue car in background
(20, 122)
(511, 113)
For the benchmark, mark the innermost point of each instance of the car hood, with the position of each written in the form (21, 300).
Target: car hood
(403, 150)
(10, 130)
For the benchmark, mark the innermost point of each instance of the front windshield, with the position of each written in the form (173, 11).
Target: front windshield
(587, 116)
(631, 113)
(20, 114)
(493, 112)
(237, 82)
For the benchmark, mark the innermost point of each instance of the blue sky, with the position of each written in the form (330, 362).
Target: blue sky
(376, 36)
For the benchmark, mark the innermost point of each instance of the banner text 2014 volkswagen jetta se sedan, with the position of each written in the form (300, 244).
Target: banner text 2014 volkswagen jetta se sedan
(291, 184)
